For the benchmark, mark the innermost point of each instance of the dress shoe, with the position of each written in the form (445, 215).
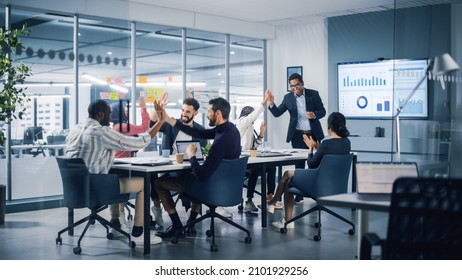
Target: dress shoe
(169, 232)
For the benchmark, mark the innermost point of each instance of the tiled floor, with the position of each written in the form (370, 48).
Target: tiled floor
(32, 235)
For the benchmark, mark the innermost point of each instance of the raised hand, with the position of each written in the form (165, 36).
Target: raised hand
(262, 128)
(270, 97)
(142, 102)
(164, 99)
(160, 111)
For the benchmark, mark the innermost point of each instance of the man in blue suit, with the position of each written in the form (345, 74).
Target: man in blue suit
(305, 108)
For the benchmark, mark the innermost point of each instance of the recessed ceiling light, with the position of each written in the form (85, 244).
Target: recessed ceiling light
(109, 53)
(219, 74)
(232, 52)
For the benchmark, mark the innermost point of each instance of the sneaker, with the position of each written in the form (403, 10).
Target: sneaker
(298, 200)
(123, 221)
(250, 207)
(280, 224)
(157, 211)
(269, 207)
(140, 239)
(278, 205)
(115, 233)
(223, 212)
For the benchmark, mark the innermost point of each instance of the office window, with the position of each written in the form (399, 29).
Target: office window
(246, 74)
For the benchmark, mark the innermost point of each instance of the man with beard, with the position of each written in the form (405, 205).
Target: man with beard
(96, 143)
(172, 134)
(226, 145)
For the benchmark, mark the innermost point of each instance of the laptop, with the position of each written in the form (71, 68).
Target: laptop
(181, 146)
(375, 179)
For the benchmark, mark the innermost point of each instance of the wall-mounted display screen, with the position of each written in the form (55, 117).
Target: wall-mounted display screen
(375, 89)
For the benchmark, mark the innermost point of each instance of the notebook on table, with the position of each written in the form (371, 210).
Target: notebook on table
(145, 161)
(181, 146)
(272, 154)
(375, 179)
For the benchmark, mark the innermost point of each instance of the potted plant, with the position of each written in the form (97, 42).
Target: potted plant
(12, 97)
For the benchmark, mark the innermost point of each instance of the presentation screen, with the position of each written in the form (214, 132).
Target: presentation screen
(375, 89)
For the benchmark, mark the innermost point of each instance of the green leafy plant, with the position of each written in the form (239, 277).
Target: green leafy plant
(12, 97)
(206, 149)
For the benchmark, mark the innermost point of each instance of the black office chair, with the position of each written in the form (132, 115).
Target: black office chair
(331, 177)
(94, 191)
(425, 221)
(223, 188)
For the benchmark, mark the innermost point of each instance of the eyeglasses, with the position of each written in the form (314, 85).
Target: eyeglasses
(297, 85)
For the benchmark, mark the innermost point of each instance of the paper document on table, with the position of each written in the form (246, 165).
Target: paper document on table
(143, 161)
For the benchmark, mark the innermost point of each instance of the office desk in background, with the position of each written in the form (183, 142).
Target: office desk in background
(351, 200)
(21, 148)
(147, 171)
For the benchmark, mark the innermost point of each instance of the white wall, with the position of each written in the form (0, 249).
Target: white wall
(302, 45)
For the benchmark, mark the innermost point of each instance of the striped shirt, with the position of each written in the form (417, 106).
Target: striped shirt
(97, 144)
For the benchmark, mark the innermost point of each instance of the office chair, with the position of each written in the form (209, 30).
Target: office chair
(94, 191)
(223, 188)
(331, 177)
(425, 221)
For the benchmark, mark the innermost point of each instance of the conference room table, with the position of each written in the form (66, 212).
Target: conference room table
(364, 206)
(292, 157)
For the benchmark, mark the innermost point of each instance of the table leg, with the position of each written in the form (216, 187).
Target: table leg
(147, 220)
(70, 221)
(263, 196)
(363, 227)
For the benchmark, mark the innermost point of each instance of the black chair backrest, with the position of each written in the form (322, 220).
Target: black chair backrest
(224, 187)
(331, 177)
(425, 219)
(76, 182)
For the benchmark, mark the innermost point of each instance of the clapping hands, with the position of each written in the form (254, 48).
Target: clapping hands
(310, 143)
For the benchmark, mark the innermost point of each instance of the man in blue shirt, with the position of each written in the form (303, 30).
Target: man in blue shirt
(226, 145)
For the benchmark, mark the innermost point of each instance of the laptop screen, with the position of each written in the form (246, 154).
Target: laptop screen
(378, 177)
(182, 145)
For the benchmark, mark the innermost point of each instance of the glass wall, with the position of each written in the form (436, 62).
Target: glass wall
(104, 63)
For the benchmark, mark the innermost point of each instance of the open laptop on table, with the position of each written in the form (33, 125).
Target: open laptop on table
(181, 146)
(375, 179)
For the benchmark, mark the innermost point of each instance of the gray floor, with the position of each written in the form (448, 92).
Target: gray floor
(31, 236)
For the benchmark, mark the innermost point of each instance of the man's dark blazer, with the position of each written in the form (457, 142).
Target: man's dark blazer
(313, 104)
(170, 133)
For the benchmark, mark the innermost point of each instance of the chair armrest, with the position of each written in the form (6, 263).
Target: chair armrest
(367, 241)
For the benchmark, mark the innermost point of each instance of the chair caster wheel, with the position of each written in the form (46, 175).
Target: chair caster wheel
(213, 248)
(132, 244)
(59, 241)
(240, 207)
(77, 250)
(317, 225)
(316, 238)
(283, 230)
(209, 233)
(110, 236)
(351, 232)
(248, 240)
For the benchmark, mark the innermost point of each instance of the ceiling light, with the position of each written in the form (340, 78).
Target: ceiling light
(109, 53)
(119, 88)
(94, 79)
